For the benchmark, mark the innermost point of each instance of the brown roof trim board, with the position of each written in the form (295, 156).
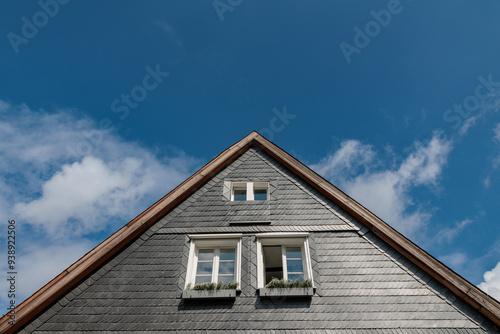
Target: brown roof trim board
(61, 284)
(474, 296)
(91, 261)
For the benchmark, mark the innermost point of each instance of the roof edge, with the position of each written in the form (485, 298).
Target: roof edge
(62, 283)
(470, 293)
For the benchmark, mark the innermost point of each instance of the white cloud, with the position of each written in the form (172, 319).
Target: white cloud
(495, 161)
(496, 130)
(469, 123)
(448, 234)
(490, 104)
(455, 261)
(349, 159)
(424, 166)
(487, 182)
(83, 195)
(65, 194)
(64, 198)
(38, 138)
(172, 34)
(386, 192)
(491, 283)
(40, 263)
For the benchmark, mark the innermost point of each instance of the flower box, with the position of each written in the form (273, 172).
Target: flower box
(286, 292)
(205, 294)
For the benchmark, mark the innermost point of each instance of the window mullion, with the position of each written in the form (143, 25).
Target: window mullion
(215, 271)
(250, 196)
(195, 266)
(283, 259)
(261, 277)
(305, 270)
(237, 269)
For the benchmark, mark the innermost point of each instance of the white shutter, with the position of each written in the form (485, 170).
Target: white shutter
(226, 191)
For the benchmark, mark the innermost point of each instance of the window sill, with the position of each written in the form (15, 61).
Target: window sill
(208, 294)
(286, 292)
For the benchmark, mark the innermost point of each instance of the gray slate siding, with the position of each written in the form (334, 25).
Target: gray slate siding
(360, 288)
(363, 285)
(292, 203)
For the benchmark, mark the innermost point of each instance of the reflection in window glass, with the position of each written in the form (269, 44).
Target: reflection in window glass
(227, 254)
(205, 266)
(293, 253)
(212, 261)
(226, 268)
(291, 277)
(226, 265)
(294, 263)
(203, 279)
(226, 279)
(260, 194)
(240, 194)
(250, 191)
(205, 255)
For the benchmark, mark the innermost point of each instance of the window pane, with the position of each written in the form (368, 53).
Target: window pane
(240, 194)
(226, 268)
(260, 194)
(205, 255)
(291, 277)
(293, 253)
(204, 268)
(294, 266)
(273, 262)
(226, 279)
(227, 254)
(203, 279)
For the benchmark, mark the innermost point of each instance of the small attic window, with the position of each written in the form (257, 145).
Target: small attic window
(260, 191)
(250, 191)
(239, 191)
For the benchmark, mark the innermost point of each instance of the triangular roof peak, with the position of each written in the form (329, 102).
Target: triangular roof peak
(61, 284)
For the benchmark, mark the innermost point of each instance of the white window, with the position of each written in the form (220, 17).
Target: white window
(250, 191)
(214, 258)
(283, 256)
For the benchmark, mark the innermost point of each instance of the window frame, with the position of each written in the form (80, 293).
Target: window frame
(250, 187)
(284, 240)
(215, 241)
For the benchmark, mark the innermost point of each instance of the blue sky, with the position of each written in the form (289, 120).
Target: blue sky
(106, 106)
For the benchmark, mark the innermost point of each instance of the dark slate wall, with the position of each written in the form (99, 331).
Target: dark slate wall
(363, 285)
(360, 287)
(293, 202)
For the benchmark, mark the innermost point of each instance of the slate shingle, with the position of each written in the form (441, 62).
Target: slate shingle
(364, 286)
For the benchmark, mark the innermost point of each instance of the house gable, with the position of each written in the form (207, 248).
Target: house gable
(363, 285)
(292, 201)
(362, 282)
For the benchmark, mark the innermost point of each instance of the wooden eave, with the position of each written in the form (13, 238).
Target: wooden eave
(91, 261)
